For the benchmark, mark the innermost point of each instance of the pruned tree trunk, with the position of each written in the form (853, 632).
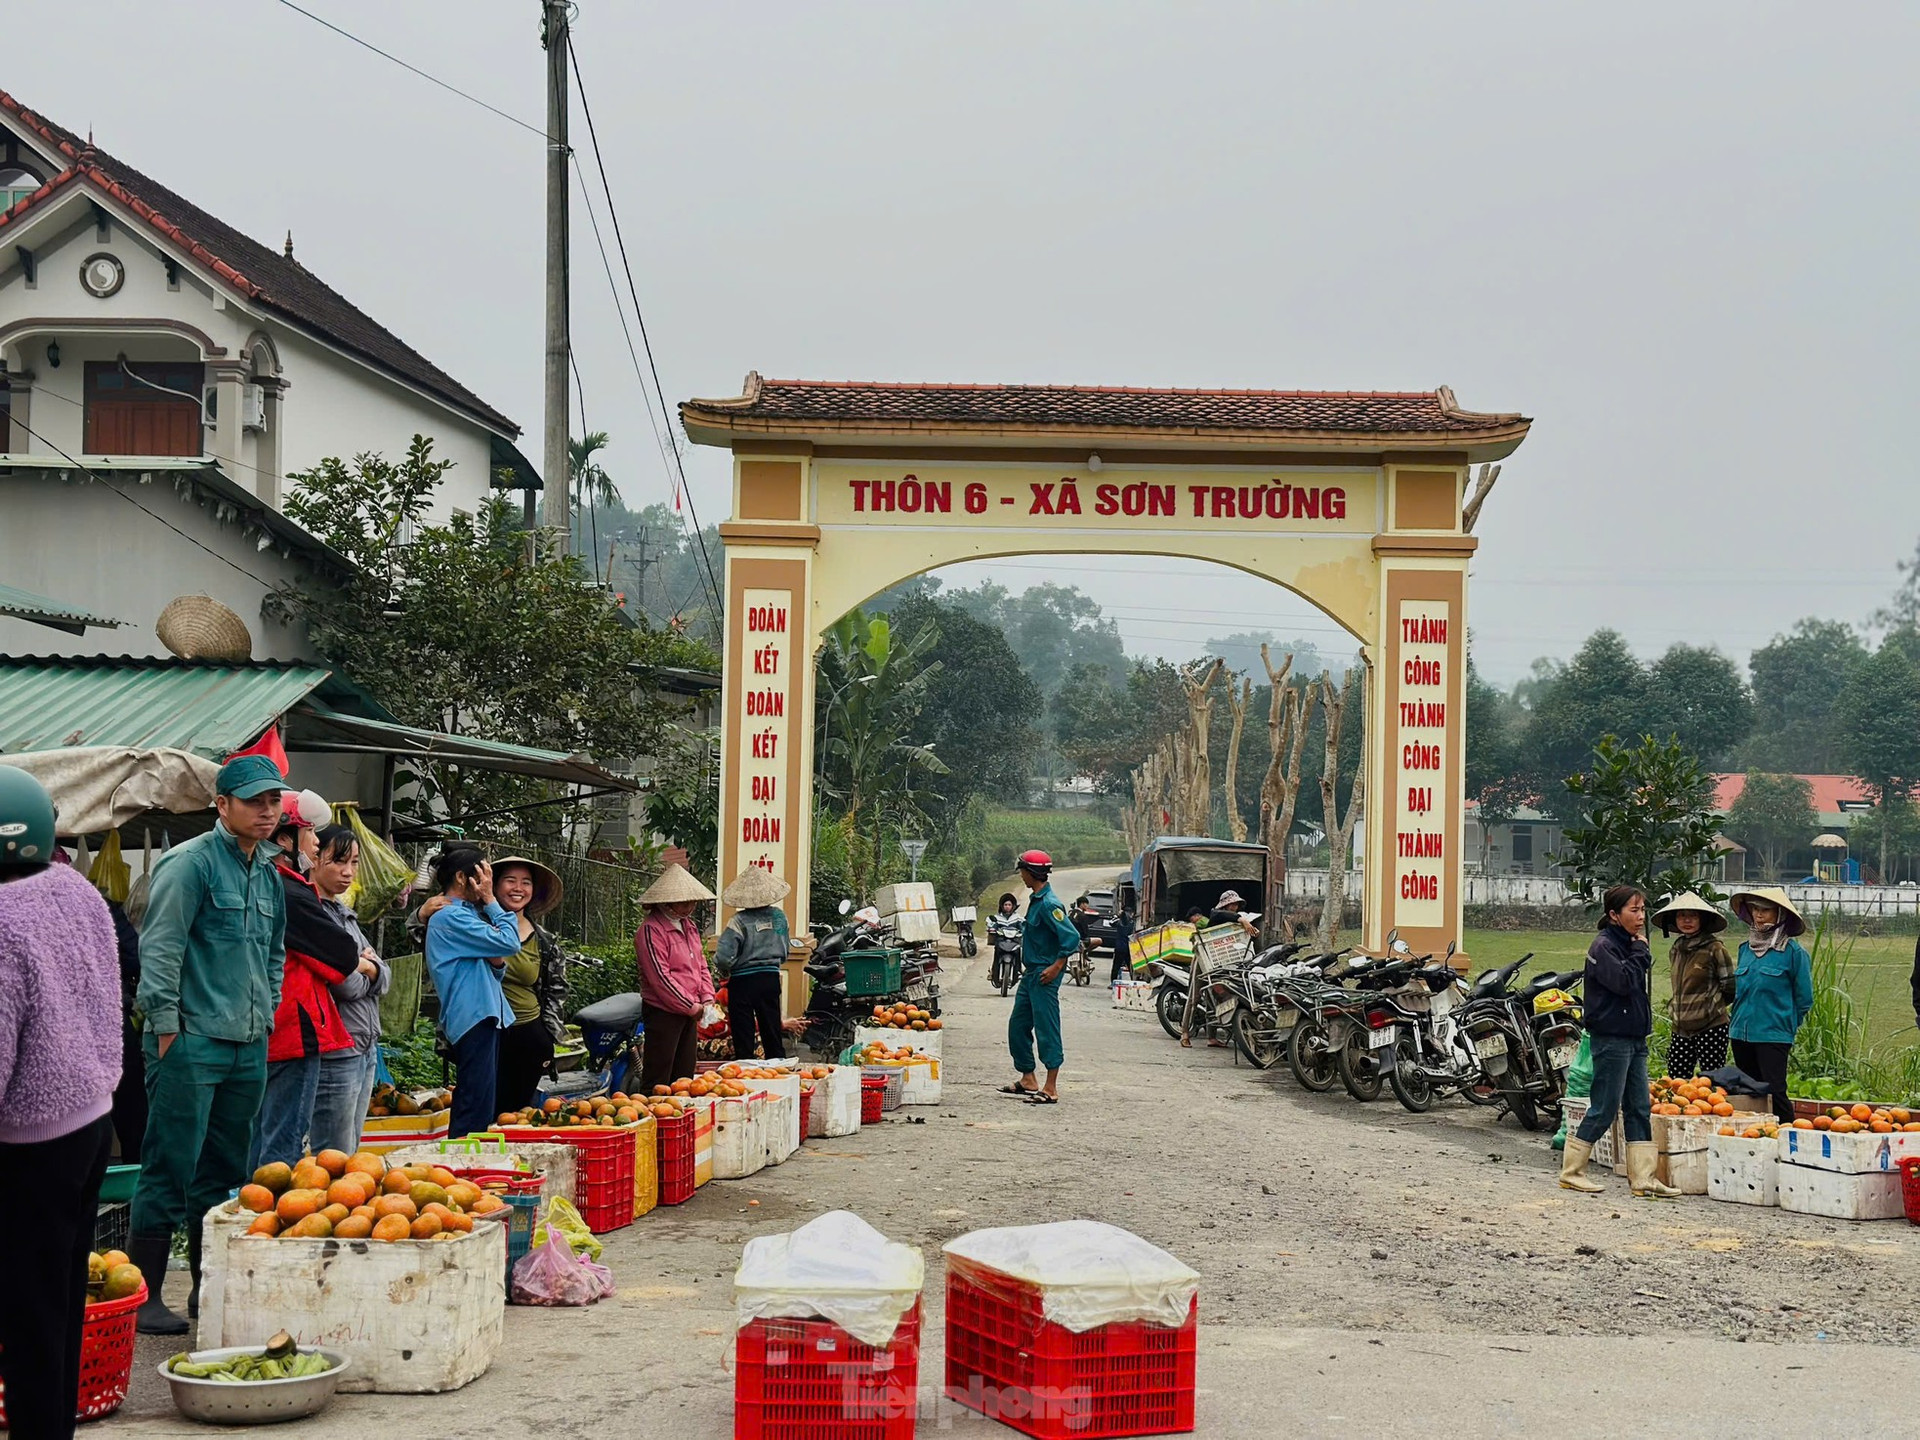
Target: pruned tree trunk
(1195, 795)
(1339, 830)
(1237, 702)
(1152, 781)
(1288, 711)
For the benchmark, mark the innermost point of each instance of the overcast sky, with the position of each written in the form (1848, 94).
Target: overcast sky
(1682, 238)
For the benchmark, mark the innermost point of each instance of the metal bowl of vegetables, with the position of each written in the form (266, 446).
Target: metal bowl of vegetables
(253, 1384)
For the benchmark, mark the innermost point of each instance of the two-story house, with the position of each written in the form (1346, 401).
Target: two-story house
(151, 354)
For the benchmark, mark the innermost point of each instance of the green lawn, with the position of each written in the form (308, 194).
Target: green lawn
(1880, 967)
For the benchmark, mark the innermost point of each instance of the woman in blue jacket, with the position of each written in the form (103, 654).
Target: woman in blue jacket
(1619, 1013)
(1772, 990)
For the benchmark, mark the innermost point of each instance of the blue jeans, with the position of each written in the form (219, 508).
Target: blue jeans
(1036, 1016)
(1619, 1085)
(340, 1103)
(286, 1112)
(476, 1064)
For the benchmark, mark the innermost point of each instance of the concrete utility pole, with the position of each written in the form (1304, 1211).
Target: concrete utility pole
(556, 512)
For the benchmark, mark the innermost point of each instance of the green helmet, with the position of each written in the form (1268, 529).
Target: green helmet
(26, 819)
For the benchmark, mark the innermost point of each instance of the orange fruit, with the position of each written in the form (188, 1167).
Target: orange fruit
(347, 1192)
(1861, 1112)
(354, 1227)
(257, 1198)
(365, 1162)
(1881, 1127)
(460, 1224)
(367, 1213)
(397, 1182)
(1899, 1115)
(487, 1204)
(396, 1205)
(314, 1227)
(392, 1227)
(308, 1176)
(334, 1162)
(1823, 1122)
(276, 1177)
(335, 1213)
(1723, 1108)
(426, 1227)
(297, 1205)
(267, 1224)
(442, 1176)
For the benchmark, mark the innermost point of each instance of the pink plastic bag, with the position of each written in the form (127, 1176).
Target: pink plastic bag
(551, 1274)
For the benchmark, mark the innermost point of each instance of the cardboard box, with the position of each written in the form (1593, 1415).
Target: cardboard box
(1874, 1195)
(1743, 1172)
(1685, 1172)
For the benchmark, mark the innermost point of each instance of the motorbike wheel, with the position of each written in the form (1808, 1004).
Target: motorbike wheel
(1171, 1006)
(1307, 1056)
(1262, 1055)
(1483, 1092)
(1411, 1087)
(967, 946)
(1005, 982)
(1354, 1061)
(1524, 1110)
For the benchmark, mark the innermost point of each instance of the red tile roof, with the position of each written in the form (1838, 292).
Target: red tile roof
(1332, 414)
(266, 277)
(1828, 791)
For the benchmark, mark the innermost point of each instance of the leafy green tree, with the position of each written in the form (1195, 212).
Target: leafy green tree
(1496, 778)
(1893, 830)
(1878, 718)
(1699, 695)
(1602, 691)
(462, 629)
(1774, 815)
(1052, 628)
(1797, 679)
(1641, 815)
(1241, 651)
(591, 483)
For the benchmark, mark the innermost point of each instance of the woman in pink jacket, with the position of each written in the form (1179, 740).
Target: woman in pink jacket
(675, 984)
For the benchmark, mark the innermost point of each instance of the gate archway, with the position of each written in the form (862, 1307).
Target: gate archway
(1350, 500)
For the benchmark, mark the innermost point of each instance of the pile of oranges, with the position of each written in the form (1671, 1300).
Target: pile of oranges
(1765, 1130)
(874, 1053)
(904, 1017)
(1689, 1097)
(1851, 1120)
(708, 1085)
(338, 1196)
(618, 1108)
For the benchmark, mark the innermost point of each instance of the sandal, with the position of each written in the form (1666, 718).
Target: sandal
(1018, 1089)
(1040, 1097)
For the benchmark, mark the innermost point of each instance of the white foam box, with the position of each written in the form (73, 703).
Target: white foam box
(1133, 995)
(739, 1149)
(779, 1118)
(1685, 1171)
(1743, 1172)
(1871, 1196)
(556, 1165)
(1853, 1154)
(927, 1042)
(922, 1083)
(415, 1316)
(964, 912)
(836, 1103)
(908, 895)
(913, 926)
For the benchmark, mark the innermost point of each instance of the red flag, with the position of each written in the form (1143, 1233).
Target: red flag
(268, 745)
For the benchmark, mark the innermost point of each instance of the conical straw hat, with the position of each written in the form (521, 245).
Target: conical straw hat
(754, 887)
(547, 889)
(674, 886)
(1711, 920)
(1795, 922)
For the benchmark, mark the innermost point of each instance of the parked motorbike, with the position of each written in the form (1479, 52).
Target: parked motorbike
(1080, 964)
(1004, 932)
(1335, 1038)
(832, 1015)
(963, 928)
(1262, 1023)
(1523, 1056)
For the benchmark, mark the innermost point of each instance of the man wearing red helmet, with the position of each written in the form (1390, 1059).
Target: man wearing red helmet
(1049, 938)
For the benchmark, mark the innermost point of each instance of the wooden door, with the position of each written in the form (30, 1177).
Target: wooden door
(128, 417)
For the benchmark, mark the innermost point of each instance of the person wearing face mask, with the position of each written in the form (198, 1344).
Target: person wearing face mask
(675, 983)
(347, 1075)
(1772, 990)
(306, 1024)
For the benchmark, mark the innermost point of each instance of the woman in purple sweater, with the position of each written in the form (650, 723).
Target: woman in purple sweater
(59, 1062)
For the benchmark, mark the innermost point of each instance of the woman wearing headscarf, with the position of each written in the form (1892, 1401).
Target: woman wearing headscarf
(752, 948)
(1619, 1004)
(1702, 977)
(1772, 990)
(535, 980)
(675, 984)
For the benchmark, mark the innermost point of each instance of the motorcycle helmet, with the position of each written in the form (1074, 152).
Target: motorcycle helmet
(26, 820)
(1037, 861)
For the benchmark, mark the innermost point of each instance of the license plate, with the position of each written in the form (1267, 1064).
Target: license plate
(1380, 1039)
(1561, 1056)
(1490, 1045)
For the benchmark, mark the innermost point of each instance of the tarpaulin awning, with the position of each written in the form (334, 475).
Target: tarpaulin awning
(99, 789)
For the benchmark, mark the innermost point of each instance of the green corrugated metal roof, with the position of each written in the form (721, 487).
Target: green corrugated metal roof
(211, 710)
(25, 605)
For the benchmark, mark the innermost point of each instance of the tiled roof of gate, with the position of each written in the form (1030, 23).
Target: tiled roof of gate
(266, 276)
(1305, 412)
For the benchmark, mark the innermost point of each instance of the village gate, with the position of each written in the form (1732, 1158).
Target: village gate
(1353, 501)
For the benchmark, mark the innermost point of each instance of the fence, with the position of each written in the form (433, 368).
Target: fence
(1544, 890)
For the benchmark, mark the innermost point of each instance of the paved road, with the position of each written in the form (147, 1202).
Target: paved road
(1364, 1270)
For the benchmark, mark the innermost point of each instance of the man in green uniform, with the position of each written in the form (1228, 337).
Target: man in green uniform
(1049, 938)
(211, 952)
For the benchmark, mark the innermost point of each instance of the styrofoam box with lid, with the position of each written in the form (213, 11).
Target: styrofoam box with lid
(836, 1103)
(1874, 1195)
(415, 1316)
(556, 1165)
(1851, 1154)
(1133, 995)
(778, 1119)
(739, 1150)
(908, 895)
(1743, 1172)
(921, 1083)
(927, 1042)
(914, 926)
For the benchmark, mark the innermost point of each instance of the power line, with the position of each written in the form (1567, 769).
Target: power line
(640, 319)
(430, 79)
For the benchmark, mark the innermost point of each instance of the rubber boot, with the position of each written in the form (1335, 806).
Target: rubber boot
(1573, 1168)
(194, 1239)
(150, 1253)
(1642, 1157)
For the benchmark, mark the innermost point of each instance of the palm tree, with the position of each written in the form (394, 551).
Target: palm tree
(591, 484)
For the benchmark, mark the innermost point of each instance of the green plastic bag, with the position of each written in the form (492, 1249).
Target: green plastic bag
(1579, 1084)
(383, 876)
(559, 1211)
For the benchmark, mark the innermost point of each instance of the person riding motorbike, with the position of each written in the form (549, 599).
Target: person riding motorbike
(1004, 928)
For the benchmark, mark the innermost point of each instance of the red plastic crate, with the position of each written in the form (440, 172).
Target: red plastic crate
(810, 1380)
(106, 1357)
(675, 1138)
(603, 1180)
(873, 1098)
(1006, 1360)
(806, 1111)
(1910, 1187)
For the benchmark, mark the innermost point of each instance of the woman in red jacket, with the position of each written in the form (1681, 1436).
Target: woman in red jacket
(307, 1024)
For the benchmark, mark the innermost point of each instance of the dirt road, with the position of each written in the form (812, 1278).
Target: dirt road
(1359, 1264)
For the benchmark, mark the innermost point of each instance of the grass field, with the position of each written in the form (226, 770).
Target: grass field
(1072, 837)
(1878, 970)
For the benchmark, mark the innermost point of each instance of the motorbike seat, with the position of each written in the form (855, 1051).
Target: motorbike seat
(1437, 977)
(616, 1012)
(1546, 980)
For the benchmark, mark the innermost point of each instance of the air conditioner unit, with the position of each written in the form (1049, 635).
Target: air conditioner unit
(253, 407)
